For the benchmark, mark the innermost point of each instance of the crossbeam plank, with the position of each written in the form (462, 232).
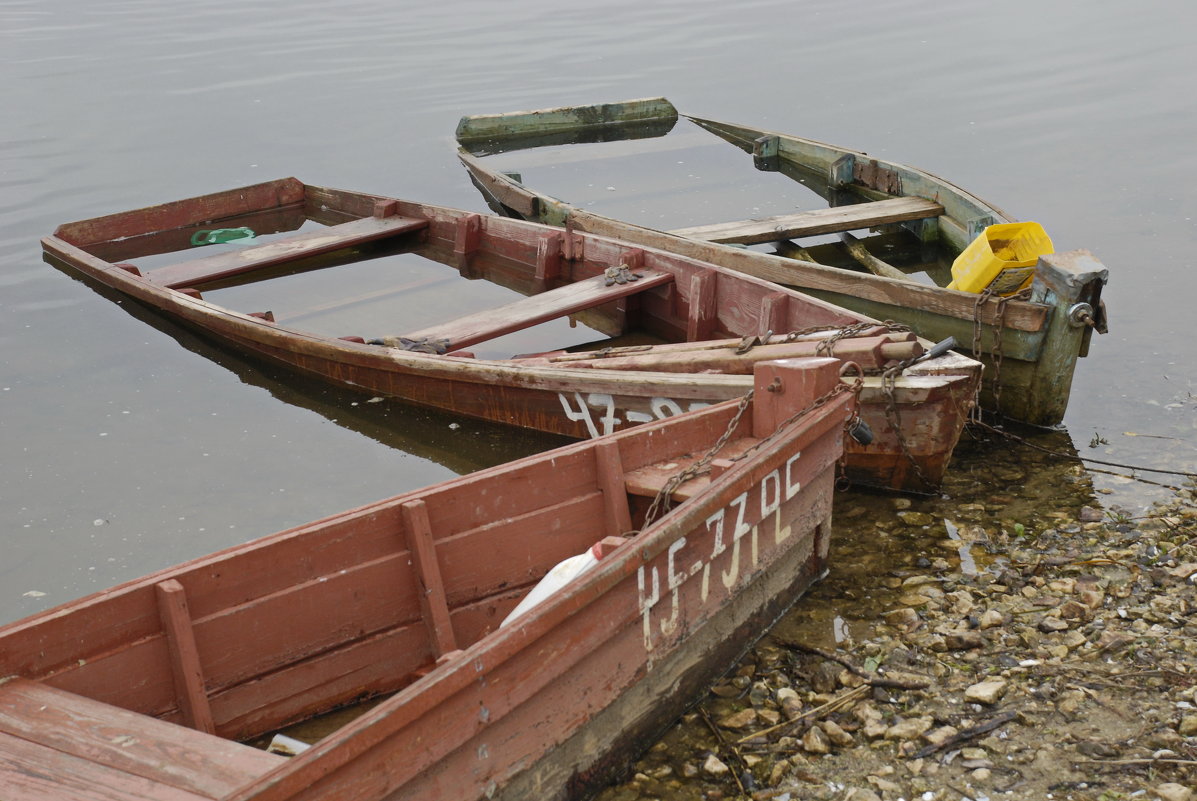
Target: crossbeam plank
(527, 312)
(819, 221)
(255, 257)
(114, 747)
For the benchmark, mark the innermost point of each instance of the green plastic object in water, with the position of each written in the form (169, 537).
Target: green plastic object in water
(219, 235)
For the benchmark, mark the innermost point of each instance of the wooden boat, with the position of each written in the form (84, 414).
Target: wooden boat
(144, 690)
(697, 314)
(1029, 346)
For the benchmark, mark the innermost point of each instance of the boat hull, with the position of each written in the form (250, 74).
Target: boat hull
(405, 596)
(1029, 347)
(909, 452)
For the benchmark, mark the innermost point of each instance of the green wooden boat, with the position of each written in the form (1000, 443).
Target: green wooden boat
(1029, 343)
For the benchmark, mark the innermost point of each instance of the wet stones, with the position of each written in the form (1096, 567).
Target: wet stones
(1083, 625)
(714, 766)
(986, 692)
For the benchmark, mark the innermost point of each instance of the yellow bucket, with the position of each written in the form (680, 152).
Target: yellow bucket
(1002, 258)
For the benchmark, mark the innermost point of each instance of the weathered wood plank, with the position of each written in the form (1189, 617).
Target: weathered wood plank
(206, 209)
(254, 257)
(571, 118)
(609, 469)
(433, 605)
(32, 772)
(871, 353)
(184, 656)
(535, 309)
(819, 221)
(126, 741)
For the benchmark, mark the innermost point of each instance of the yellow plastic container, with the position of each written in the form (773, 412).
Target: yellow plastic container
(1002, 258)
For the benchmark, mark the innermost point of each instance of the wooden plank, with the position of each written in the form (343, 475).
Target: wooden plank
(548, 259)
(615, 496)
(432, 588)
(468, 235)
(530, 311)
(871, 353)
(31, 772)
(125, 741)
(184, 656)
(818, 221)
(570, 118)
(254, 257)
(702, 318)
(203, 210)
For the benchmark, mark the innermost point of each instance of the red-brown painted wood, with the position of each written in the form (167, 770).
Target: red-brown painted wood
(32, 772)
(611, 481)
(257, 257)
(335, 610)
(472, 329)
(126, 742)
(184, 656)
(702, 302)
(431, 587)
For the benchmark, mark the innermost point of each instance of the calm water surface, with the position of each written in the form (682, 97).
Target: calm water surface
(128, 444)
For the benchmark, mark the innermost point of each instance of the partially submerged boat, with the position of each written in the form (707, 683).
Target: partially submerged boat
(1029, 343)
(144, 690)
(701, 328)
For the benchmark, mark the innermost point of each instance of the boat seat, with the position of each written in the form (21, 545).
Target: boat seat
(647, 481)
(280, 251)
(57, 745)
(525, 313)
(820, 221)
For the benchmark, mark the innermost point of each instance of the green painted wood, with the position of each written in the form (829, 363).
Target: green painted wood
(817, 221)
(1034, 364)
(1020, 345)
(570, 118)
(1061, 281)
(958, 204)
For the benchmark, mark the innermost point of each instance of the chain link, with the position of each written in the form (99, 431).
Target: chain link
(893, 415)
(661, 503)
(995, 348)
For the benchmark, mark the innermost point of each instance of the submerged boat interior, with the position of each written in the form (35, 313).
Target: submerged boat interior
(707, 183)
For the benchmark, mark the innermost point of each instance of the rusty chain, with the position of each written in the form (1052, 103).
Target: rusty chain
(661, 502)
(995, 348)
(893, 415)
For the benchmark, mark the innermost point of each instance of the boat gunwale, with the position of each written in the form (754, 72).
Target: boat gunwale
(1021, 315)
(172, 301)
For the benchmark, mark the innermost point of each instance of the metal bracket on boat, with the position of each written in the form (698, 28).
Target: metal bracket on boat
(1081, 315)
(619, 275)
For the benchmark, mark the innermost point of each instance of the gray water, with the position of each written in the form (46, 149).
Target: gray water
(128, 445)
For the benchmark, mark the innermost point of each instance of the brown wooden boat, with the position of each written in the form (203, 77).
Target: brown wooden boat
(143, 690)
(708, 326)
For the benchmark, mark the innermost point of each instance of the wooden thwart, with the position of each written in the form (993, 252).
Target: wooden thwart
(819, 221)
(107, 752)
(254, 257)
(532, 310)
